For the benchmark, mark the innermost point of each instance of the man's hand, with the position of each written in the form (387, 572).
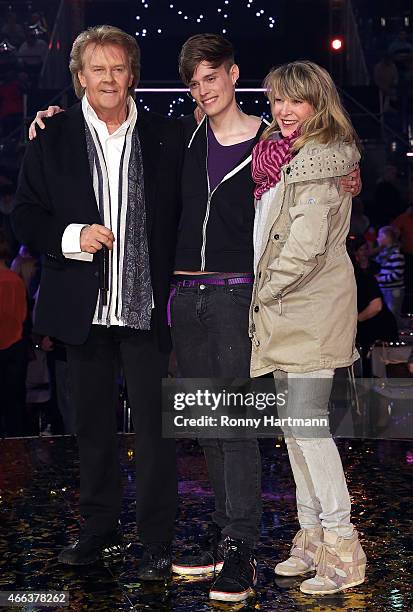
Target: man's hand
(352, 182)
(94, 237)
(52, 110)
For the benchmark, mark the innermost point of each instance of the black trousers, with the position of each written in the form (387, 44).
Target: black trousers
(93, 371)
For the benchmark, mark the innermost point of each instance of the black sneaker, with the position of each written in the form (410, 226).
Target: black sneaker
(208, 558)
(238, 576)
(90, 548)
(156, 562)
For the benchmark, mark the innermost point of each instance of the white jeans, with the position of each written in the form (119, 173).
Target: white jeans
(321, 489)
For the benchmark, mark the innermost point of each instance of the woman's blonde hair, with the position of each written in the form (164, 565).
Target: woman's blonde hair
(104, 35)
(308, 82)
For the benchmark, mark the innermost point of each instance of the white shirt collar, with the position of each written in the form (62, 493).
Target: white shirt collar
(89, 111)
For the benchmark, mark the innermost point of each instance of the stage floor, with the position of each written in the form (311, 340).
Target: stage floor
(38, 515)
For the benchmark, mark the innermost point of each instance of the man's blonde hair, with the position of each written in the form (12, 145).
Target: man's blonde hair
(308, 82)
(104, 35)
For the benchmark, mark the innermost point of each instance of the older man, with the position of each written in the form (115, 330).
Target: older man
(98, 197)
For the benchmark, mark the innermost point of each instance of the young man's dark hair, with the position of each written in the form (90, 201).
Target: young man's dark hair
(211, 48)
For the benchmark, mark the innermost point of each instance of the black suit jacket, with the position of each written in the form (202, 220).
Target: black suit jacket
(55, 189)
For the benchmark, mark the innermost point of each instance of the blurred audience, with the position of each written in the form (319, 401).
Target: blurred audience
(386, 77)
(404, 226)
(7, 195)
(359, 222)
(12, 30)
(13, 346)
(388, 201)
(38, 24)
(375, 320)
(32, 52)
(27, 267)
(12, 87)
(391, 274)
(401, 50)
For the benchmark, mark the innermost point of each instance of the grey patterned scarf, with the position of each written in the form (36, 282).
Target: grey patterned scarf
(134, 291)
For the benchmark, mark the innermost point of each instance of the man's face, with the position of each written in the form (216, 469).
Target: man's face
(106, 77)
(213, 88)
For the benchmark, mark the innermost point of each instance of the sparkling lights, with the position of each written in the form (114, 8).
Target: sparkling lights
(158, 99)
(153, 21)
(208, 18)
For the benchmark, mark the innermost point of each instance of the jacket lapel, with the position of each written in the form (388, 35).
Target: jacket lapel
(75, 149)
(199, 145)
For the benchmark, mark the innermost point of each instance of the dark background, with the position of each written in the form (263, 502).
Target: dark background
(300, 31)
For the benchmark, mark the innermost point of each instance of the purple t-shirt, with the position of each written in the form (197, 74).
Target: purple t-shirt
(222, 159)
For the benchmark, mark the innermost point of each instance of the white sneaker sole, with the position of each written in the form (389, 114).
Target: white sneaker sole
(222, 596)
(310, 591)
(198, 570)
(291, 575)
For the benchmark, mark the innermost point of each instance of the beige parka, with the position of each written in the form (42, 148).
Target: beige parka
(303, 314)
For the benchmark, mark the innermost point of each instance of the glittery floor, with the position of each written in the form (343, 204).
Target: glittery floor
(38, 515)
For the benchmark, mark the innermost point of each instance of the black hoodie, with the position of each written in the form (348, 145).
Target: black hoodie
(215, 230)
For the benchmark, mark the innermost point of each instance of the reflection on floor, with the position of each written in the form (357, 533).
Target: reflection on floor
(38, 515)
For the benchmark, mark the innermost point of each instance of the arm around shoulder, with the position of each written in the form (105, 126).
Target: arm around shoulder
(34, 220)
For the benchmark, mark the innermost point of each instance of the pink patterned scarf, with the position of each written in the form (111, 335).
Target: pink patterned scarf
(268, 156)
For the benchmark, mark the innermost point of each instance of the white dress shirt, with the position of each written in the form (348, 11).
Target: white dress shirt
(112, 146)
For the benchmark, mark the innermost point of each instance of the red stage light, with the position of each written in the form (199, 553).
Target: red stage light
(336, 44)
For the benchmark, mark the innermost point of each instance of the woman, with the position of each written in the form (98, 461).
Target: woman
(375, 322)
(303, 314)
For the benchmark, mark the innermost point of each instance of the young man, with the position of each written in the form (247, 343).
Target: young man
(211, 294)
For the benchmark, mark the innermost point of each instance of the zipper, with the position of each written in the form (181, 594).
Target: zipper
(252, 335)
(279, 298)
(205, 223)
(208, 207)
(211, 193)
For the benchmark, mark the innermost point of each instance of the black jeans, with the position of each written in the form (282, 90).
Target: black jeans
(93, 374)
(210, 336)
(13, 370)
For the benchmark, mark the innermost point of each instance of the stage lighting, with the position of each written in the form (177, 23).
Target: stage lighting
(336, 44)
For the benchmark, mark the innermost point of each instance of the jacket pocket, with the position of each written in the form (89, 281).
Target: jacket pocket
(241, 295)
